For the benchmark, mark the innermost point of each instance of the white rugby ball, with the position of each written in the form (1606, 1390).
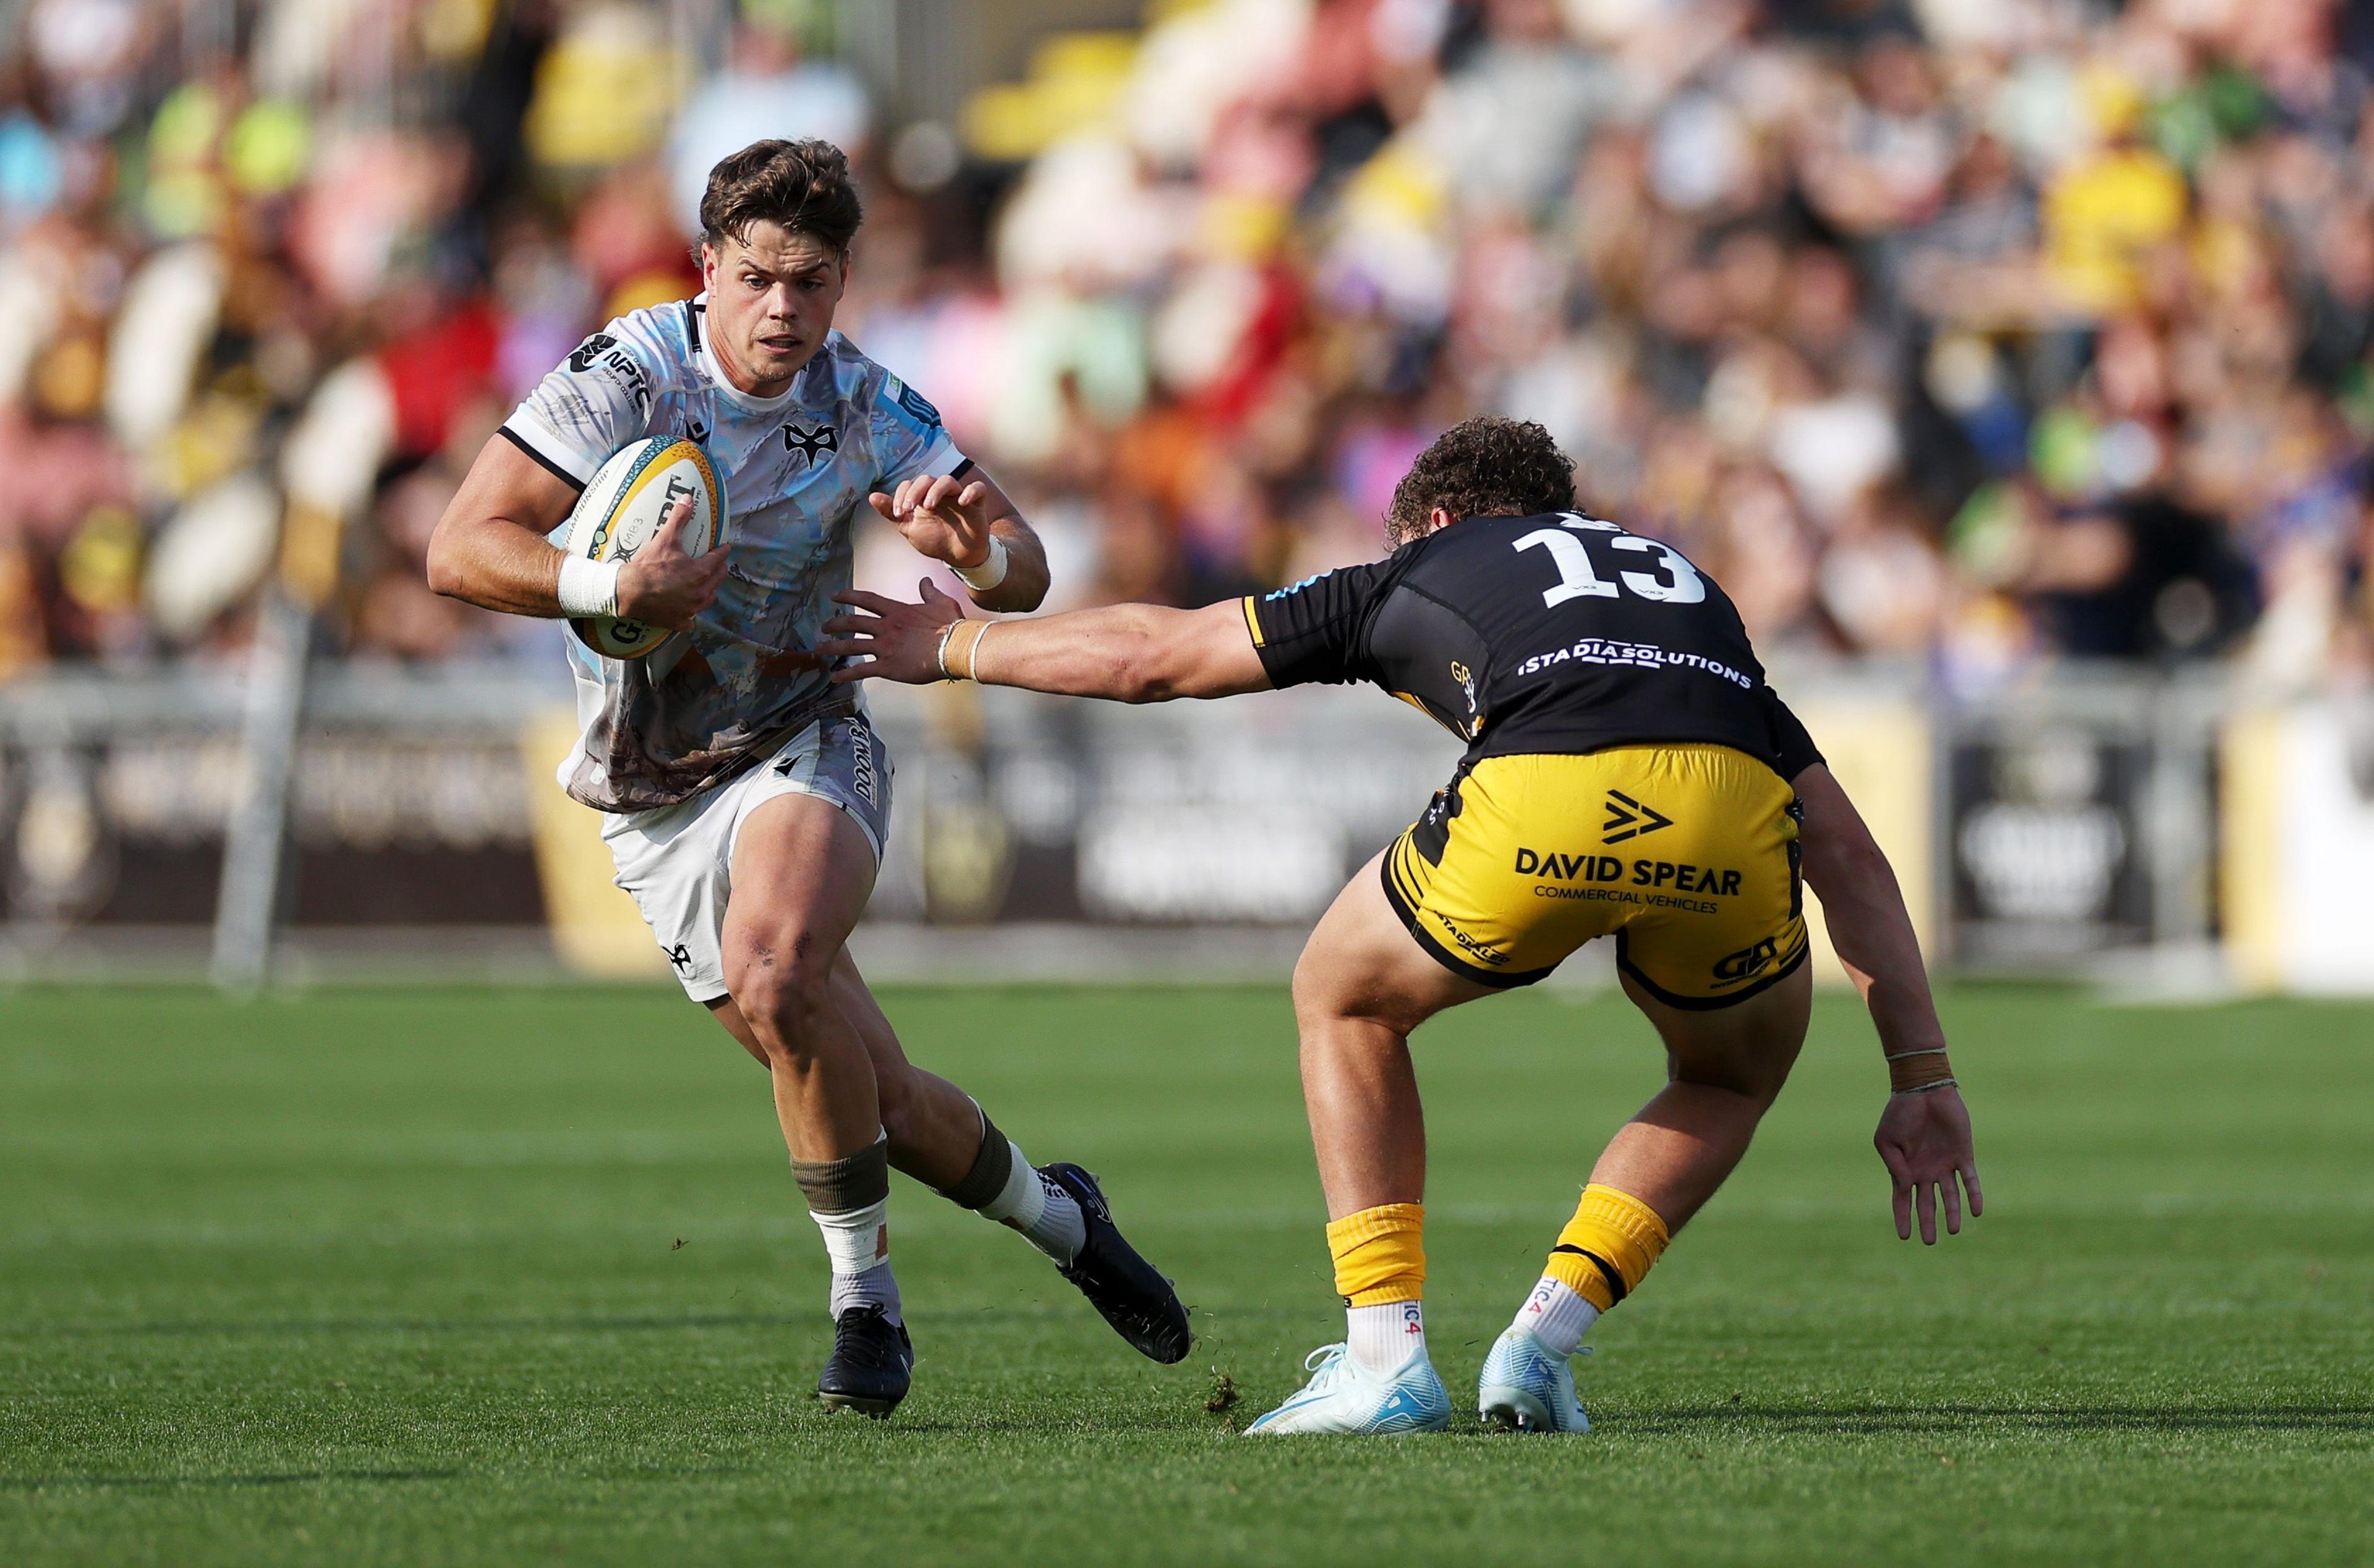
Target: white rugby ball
(623, 508)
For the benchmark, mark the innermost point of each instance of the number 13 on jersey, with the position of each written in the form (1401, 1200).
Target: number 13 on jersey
(1670, 580)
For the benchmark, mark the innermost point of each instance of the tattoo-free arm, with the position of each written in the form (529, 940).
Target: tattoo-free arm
(490, 548)
(1864, 908)
(1122, 652)
(953, 519)
(1026, 579)
(1924, 1130)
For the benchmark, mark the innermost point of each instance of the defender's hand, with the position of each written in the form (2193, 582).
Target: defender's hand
(901, 642)
(940, 518)
(1925, 1140)
(665, 586)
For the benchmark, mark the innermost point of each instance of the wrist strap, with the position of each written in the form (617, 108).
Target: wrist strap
(992, 570)
(958, 644)
(589, 588)
(1913, 1073)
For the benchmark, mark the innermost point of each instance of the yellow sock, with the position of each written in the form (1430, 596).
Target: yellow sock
(1608, 1247)
(1380, 1254)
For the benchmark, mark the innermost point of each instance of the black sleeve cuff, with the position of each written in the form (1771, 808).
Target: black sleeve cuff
(543, 461)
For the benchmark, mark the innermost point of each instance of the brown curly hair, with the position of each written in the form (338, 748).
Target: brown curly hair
(803, 185)
(1487, 466)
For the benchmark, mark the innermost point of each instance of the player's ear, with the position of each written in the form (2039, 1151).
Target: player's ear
(1438, 518)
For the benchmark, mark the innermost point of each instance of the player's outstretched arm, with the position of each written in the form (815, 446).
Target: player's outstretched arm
(1924, 1134)
(489, 547)
(974, 527)
(1124, 653)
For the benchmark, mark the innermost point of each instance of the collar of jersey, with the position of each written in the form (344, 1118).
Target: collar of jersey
(735, 395)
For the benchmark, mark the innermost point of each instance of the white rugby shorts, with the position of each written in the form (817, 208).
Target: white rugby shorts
(677, 860)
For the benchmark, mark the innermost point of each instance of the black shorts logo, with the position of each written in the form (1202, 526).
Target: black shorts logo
(860, 763)
(680, 958)
(1747, 961)
(1631, 817)
(1473, 948)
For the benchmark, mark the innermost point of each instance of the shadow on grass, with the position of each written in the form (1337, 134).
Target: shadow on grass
(312, 1477)
(292, 1478)
(950, 1319)
(237, 1328)
(1946, 1419)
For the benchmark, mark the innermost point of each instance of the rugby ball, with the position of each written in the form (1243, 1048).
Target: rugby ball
(623, 508)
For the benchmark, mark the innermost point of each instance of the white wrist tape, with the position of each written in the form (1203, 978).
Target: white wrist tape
(990, 572)
(589, 588)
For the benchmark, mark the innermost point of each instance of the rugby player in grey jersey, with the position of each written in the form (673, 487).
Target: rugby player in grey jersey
(745, 795)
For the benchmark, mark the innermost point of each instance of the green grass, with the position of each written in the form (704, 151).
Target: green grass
(388, 1277)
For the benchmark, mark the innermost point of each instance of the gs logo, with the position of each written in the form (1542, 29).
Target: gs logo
(1746, 961)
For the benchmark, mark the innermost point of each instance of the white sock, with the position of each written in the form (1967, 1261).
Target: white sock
(1557, 1316)
(1382, 1339)
(858, 1241)
(870, 1287)
(1048, 1216)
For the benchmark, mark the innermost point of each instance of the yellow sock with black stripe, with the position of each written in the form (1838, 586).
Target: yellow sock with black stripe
(1601, 1258)
(1380, 1273)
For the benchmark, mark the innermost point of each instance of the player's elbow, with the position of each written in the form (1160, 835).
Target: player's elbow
(1143, 671)
(1849, 866)
(1139, 677)
(447, 575)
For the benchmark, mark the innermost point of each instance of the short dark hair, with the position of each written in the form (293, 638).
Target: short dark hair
(1481, 467)
(803, 185)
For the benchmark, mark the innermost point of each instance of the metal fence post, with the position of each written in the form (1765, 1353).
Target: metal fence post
(248, 907)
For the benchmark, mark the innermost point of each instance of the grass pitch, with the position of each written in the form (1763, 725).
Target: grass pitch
(383, 1276)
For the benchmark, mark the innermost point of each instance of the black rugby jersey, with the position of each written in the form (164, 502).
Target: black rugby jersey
(1552, 634)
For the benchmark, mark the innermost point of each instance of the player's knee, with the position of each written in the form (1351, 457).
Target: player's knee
(1319, 993)
(1756, 1074)
(783, 989)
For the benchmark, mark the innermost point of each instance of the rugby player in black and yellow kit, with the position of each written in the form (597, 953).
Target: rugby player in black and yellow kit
(1628, 771)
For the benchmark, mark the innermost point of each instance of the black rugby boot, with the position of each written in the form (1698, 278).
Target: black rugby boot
(872, 1364)
(1134, 1298)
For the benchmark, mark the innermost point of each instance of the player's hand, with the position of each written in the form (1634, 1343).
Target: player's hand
(1926, 1141)
(661, 584)
(940, 517)
(900, 642)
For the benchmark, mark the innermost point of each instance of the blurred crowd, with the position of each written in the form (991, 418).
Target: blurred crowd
(1976, 332)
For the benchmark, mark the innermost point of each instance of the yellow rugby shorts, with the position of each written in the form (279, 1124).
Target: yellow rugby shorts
(1688, 853)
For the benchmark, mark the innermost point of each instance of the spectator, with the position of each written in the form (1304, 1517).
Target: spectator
(1981, 335)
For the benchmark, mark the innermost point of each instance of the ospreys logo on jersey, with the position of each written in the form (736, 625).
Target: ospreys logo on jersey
(581, 359)
(810, 441)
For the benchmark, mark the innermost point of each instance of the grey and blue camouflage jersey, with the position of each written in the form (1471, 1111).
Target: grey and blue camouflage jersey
(796, 469)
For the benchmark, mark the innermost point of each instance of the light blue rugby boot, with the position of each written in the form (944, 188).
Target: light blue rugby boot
(1344, 1396)
(1528, 1387)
